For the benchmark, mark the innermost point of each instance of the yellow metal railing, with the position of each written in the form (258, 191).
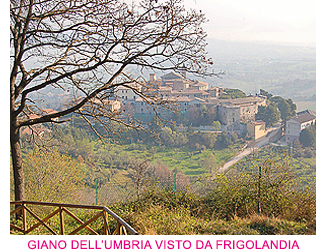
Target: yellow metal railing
(24, 208)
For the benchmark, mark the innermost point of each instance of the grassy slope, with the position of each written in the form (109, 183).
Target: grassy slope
(164, 221)
(176, 158)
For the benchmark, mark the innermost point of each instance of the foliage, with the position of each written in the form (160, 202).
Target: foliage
(265, 93)
(226, 204)
(269, 114)
(286, 107)
(233, 94)
(308, 137)
(225, 139)
(216, 125)
(203, 116)
(173, 138)
(277, 108)
(209, 163)
(164, 212)
(50, 176)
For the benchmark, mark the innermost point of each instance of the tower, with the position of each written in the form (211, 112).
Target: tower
(183, 71)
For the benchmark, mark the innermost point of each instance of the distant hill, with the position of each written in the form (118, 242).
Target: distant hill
(288, 71)
(282, 70)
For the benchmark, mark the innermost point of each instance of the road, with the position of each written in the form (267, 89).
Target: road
(250, 147)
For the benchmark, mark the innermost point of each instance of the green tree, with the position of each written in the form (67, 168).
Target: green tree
(167, 136)
(207, 115)
(223, 140)
(216, 125)
(209, 163)
(269, 114)
(286, 107)
(233, 94)
(194, 115)
(208, 139)
(308, 137)
(266, 93)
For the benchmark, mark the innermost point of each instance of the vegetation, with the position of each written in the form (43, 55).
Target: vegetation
(229, 205)
(270, 192)
(200, 116)
(51, 176)
(286, 107)
(308, 137)
(192, 153)
(277, 107)
(237, 202)
(269, 114)
(233, 94)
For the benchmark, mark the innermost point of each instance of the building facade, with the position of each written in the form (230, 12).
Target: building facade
(257, 129)
(295, 125)
(185, 94)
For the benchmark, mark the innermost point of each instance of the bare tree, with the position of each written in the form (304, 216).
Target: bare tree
(94, 46)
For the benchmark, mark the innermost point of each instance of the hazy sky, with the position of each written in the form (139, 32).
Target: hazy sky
(277, 21)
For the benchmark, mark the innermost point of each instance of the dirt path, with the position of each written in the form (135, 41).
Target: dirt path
(258, 144)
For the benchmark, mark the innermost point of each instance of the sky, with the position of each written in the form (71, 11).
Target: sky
(273, 21)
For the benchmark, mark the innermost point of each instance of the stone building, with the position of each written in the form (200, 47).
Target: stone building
(248, 106)
(187, 93)
(127, 94)
(295, 125)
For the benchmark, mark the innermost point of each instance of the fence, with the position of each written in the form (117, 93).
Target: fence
(125, 191)
(24, 208)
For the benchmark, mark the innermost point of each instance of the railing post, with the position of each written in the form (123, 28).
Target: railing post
(96, 191)
(24, 218)
(120, 228)
(61, 218)
(106, 223)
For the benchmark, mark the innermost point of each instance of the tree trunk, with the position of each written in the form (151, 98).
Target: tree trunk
(16, 161)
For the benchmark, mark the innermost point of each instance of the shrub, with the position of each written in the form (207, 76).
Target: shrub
(274, 192)
(50, 176)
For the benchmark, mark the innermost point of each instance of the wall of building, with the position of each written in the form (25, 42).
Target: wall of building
(292, 131)
(229, 115)
(294, 128)
(256, 129)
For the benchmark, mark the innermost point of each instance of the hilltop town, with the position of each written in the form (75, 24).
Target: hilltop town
(187, 94)
(187, 98)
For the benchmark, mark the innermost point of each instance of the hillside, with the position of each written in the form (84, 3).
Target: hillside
(281, 70)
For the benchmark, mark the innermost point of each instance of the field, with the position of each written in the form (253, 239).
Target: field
(189, 162)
